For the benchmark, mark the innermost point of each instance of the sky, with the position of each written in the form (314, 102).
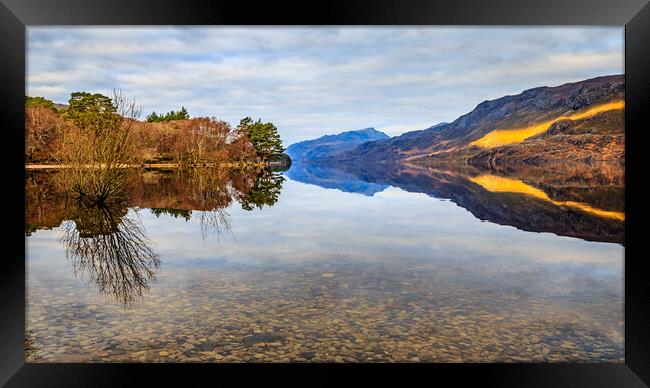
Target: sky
(312, 81)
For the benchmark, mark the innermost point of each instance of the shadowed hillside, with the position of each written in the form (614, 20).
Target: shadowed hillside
(575, 121)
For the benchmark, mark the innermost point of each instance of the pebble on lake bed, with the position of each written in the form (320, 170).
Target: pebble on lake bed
(302, 315)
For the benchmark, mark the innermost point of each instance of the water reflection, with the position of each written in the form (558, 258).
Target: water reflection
(215, 222)
(499, 184)
(569, 199)
(265, 191)
(331, 177)
(111, 249)
(576, 200)
(305, 273)
(107, 244)
(177, 193)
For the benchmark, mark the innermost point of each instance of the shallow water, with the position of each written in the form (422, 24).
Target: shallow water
(329, 265)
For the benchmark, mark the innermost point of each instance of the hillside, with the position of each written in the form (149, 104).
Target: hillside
(578, 121)
(329, 145)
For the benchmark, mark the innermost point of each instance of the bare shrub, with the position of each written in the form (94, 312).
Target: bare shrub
(201, 140)
(42, 129)
(98, 158)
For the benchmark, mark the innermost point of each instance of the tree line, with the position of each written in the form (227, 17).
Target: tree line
(169, 116)
(91, 121)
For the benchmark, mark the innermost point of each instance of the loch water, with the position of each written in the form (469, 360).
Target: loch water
(332, 263)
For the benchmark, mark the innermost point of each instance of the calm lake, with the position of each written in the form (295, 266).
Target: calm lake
(331, 263)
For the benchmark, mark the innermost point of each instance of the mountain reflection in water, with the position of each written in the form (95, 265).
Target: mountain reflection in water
(506, 185)
(573, 199)
(111, 247)
(380, 263)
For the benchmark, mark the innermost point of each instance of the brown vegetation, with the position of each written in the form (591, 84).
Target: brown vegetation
(43, 130)
(58, 137)
(97, 139)
(595, 139)
(48, 202)
(193, 141)
(104, 139)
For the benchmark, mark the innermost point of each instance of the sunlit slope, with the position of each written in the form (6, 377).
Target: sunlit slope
(501, 137)
(498, 184)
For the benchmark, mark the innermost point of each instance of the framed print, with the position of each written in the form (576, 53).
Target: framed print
(392, 189)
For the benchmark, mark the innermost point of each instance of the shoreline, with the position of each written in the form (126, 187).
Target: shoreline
(34, 166)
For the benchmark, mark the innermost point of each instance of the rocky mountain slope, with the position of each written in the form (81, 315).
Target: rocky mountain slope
(577, 121)
(327, 146)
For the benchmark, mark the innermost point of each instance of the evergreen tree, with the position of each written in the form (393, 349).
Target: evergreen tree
(92, 111)
(39, 101)
(263, 136)
(169, 116)
(183, 114)
(153, 117)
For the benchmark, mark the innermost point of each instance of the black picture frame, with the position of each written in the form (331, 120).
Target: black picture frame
(15, 15)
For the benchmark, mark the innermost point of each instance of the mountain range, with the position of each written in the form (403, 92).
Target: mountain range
(326, 146)
(582, 121)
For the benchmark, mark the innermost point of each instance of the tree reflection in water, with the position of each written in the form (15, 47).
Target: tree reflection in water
(110, 248)
(215, 222)
(265, 191)
(210, 190)
(108, 245)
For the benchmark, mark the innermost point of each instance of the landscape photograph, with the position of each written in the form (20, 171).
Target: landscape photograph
(324, 194)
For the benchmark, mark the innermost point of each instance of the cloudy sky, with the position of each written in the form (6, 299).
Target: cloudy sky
(313, 81)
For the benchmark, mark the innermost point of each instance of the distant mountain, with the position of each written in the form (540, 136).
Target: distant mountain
(580, 121)
(385, 149)
(327, 146)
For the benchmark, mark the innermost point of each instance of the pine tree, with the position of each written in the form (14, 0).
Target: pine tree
(92, 111)
(153, 117)
(183, 114)
(39, 101)
(264, 137)
(169, 116)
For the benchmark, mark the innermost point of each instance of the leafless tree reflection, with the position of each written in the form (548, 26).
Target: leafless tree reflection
(111, 249)
(211, 191)
(215, 222)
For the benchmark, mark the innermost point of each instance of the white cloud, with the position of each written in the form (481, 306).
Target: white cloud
(313, 81)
